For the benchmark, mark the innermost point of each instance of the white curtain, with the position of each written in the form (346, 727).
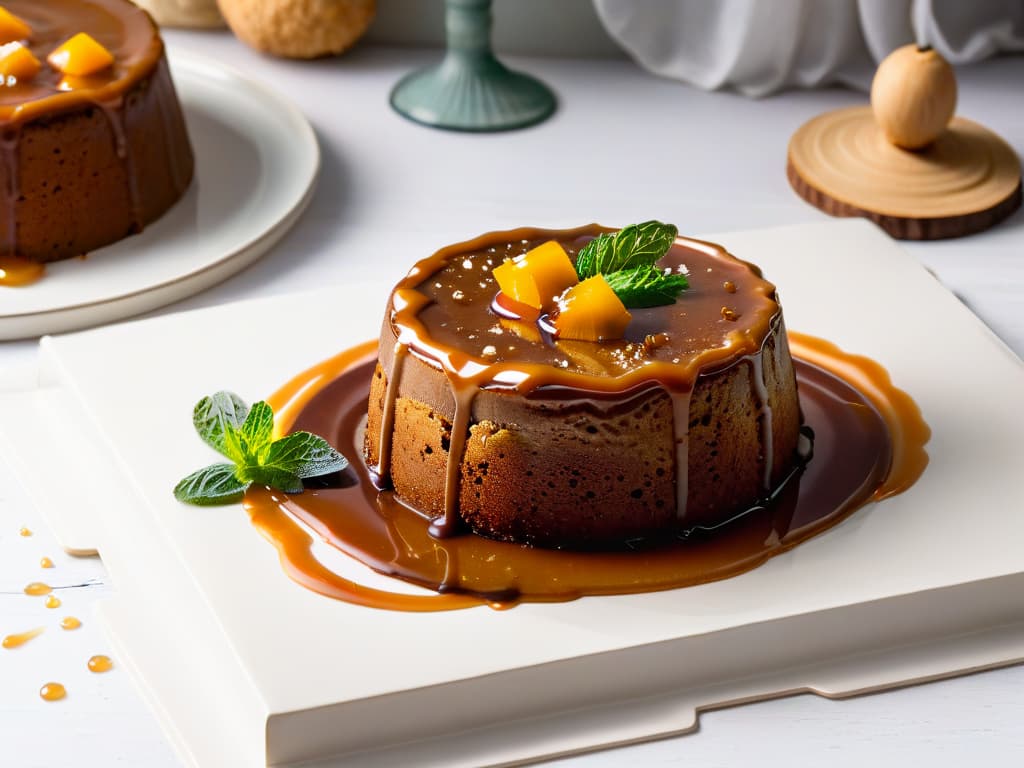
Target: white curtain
(762, 46)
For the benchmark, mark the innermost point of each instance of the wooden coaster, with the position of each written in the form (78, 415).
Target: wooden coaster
(967, 180)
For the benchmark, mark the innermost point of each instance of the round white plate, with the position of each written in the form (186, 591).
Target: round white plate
(256, 165)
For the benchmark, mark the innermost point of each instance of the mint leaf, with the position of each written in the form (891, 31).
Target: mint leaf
(304, 455)
(245, 436)
(215, 484)
(257, 431)
(633, 246)
(646, 286)
(217, 420)
(275, 477)
(594, 252)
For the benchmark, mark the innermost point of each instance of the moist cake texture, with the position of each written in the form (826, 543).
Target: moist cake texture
(481, 420)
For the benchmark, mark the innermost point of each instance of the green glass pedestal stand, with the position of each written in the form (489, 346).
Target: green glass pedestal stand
(470, 90)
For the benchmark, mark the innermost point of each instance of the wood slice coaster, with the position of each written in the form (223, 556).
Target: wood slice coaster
(967, 180)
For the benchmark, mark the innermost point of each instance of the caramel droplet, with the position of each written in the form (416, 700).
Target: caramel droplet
(52, 692)
(730, 286)
(100, 664)
(38, 589)
(70, 622)
(731, 315)
(25, 532)
(46, 563)
(52, 601)
(13, 641)
(15, 270)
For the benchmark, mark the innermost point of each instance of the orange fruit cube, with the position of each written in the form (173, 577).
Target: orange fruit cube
(12, 28)
(590, 311)
(81, 55)
(17, 63)
(537, 277)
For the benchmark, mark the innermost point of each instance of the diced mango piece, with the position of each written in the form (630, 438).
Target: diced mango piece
(590, 311)
(537, 277)
(12, 28)
(81, 55)
(17, 63)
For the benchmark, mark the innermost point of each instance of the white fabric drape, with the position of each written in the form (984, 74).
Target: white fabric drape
(761, 46)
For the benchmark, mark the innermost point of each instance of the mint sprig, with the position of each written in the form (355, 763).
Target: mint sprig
(647, 286)
(633, 246)
(245, 436)
(626, 259)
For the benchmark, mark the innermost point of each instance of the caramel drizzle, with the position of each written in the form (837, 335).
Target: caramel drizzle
(764, 418)
(388, 415)
(115, 116)
(448, 524)
(172, 149)
(681, 436)
(467, 374)
(9, 157)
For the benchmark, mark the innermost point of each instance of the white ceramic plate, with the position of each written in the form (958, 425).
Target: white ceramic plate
(256, 165)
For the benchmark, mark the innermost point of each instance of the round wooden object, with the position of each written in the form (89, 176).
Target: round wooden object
(967, 180)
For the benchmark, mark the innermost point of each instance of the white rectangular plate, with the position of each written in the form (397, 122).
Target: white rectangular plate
(922, 585)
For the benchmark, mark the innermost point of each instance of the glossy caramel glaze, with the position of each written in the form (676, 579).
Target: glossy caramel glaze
(122, 28)
(869, 441)
(439, 312)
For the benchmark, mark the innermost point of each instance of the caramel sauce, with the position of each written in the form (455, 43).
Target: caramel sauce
(46, 563)
(70, 622)
(24, 532)
(52, 601)
(52, 692)
(100, 664)
(19, 639)
(16, 271)
(38, 589)
(869, 442)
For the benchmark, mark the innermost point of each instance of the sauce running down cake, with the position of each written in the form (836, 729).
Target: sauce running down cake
(93, 145)
(482, 416)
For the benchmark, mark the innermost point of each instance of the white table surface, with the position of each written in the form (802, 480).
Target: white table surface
(623, 146)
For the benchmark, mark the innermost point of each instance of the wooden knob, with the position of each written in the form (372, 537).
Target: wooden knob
(913, 96)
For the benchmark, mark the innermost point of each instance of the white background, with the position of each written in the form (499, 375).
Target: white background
(623, 146)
